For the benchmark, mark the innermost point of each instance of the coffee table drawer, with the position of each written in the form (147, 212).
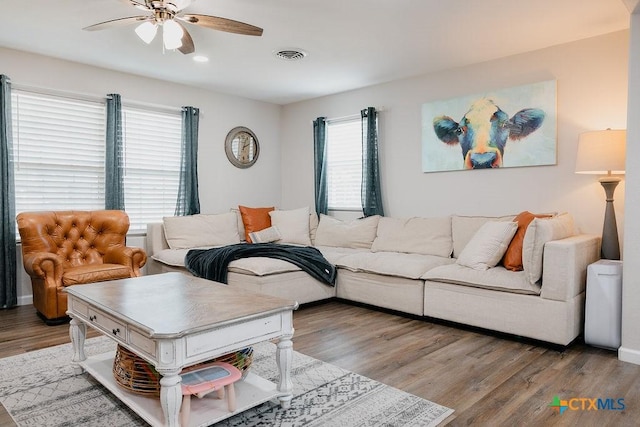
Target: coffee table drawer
(142, 343)
(258, 328)
(78, 307)
(107, 323)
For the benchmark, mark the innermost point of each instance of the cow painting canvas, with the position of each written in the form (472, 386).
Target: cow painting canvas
(513, 127)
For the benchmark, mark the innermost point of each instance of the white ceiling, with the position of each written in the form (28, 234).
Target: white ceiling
(350, 43)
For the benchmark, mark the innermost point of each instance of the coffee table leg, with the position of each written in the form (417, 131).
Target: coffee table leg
(284, 358)
(170, 395)
(77, 333)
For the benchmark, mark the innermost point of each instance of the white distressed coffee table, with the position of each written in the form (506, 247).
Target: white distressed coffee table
(174, 321)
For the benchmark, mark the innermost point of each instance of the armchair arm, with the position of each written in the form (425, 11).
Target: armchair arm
(44, 265)
(134, 258)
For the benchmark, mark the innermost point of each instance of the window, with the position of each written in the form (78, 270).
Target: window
(58, 152)
(344, 164)
(59, 156)
(152, 147)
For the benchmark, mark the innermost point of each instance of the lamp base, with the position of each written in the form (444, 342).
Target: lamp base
(610, 244)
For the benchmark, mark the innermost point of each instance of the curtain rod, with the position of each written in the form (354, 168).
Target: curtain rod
(350, 117)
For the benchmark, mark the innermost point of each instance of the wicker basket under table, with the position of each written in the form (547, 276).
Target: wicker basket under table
(137, 375)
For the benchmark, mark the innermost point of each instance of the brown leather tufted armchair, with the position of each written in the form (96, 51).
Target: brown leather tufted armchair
(74, 247)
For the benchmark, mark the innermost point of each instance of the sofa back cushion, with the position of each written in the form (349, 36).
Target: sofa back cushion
(539, 232)
(427, 236)
(463, 228)
(201, 230)
(357, 233)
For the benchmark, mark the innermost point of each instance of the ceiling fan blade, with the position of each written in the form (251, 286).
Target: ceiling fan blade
(222, 24)
(117, 23)
(187, 42)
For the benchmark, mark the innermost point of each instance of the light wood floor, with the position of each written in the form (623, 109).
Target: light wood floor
(488, 380)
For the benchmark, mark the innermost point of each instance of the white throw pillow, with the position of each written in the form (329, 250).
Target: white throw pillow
(426, 236)
(293, 225)
(488, 245)
(358, 233)
(194, 231)
(464, 227)
(539, 232)
(267, 235)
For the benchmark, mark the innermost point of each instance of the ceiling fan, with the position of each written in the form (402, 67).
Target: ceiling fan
(168, 15)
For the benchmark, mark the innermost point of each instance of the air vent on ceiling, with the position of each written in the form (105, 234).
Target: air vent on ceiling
(290, 54)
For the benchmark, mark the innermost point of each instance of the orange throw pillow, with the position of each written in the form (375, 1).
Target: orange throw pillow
(512, 259)
(255, 219)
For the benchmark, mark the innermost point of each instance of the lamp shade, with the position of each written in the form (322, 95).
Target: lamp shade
(601, 152)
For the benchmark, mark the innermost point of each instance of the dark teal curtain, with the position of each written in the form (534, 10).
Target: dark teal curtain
(320, 164)
(8, 280)
(188, 201)
(114, 155)
(371, 195)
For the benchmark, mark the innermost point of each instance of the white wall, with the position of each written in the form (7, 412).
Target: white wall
(591, 94)
(221, 185)
(630, 349)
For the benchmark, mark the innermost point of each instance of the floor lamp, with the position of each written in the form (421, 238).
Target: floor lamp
(602, 152)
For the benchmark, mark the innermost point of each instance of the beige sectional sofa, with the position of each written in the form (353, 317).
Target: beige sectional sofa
(432, 267)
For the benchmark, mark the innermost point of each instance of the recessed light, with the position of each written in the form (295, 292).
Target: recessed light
(200, 58)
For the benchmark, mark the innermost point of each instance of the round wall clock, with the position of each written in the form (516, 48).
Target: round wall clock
(242, 147)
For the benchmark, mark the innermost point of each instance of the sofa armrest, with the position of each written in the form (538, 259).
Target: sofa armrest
(156, 241)
(44, 265)
(134, 258)
(564, 269)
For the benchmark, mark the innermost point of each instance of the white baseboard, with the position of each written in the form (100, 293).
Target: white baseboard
(629, 355)
(25, 300)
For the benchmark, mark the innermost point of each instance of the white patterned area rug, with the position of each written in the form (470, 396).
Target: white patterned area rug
(39, 388)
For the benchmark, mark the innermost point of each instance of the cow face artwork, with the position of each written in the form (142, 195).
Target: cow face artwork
(484, 130)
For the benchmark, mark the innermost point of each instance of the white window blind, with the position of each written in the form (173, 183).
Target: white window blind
(59, 156)
(58, 152)
(344, 164)
(152, 142)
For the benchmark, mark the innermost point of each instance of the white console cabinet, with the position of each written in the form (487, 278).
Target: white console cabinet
(603, 310)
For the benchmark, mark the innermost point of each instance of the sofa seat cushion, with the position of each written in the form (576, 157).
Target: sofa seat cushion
(94, 273)
(335, 254)
(409, 266)
(496, 278)
(258, 266)
(261, 266)
(174, 257)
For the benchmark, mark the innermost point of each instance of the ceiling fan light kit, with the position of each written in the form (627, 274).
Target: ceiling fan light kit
(147, 31)
(172, 35)
(168, 15)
